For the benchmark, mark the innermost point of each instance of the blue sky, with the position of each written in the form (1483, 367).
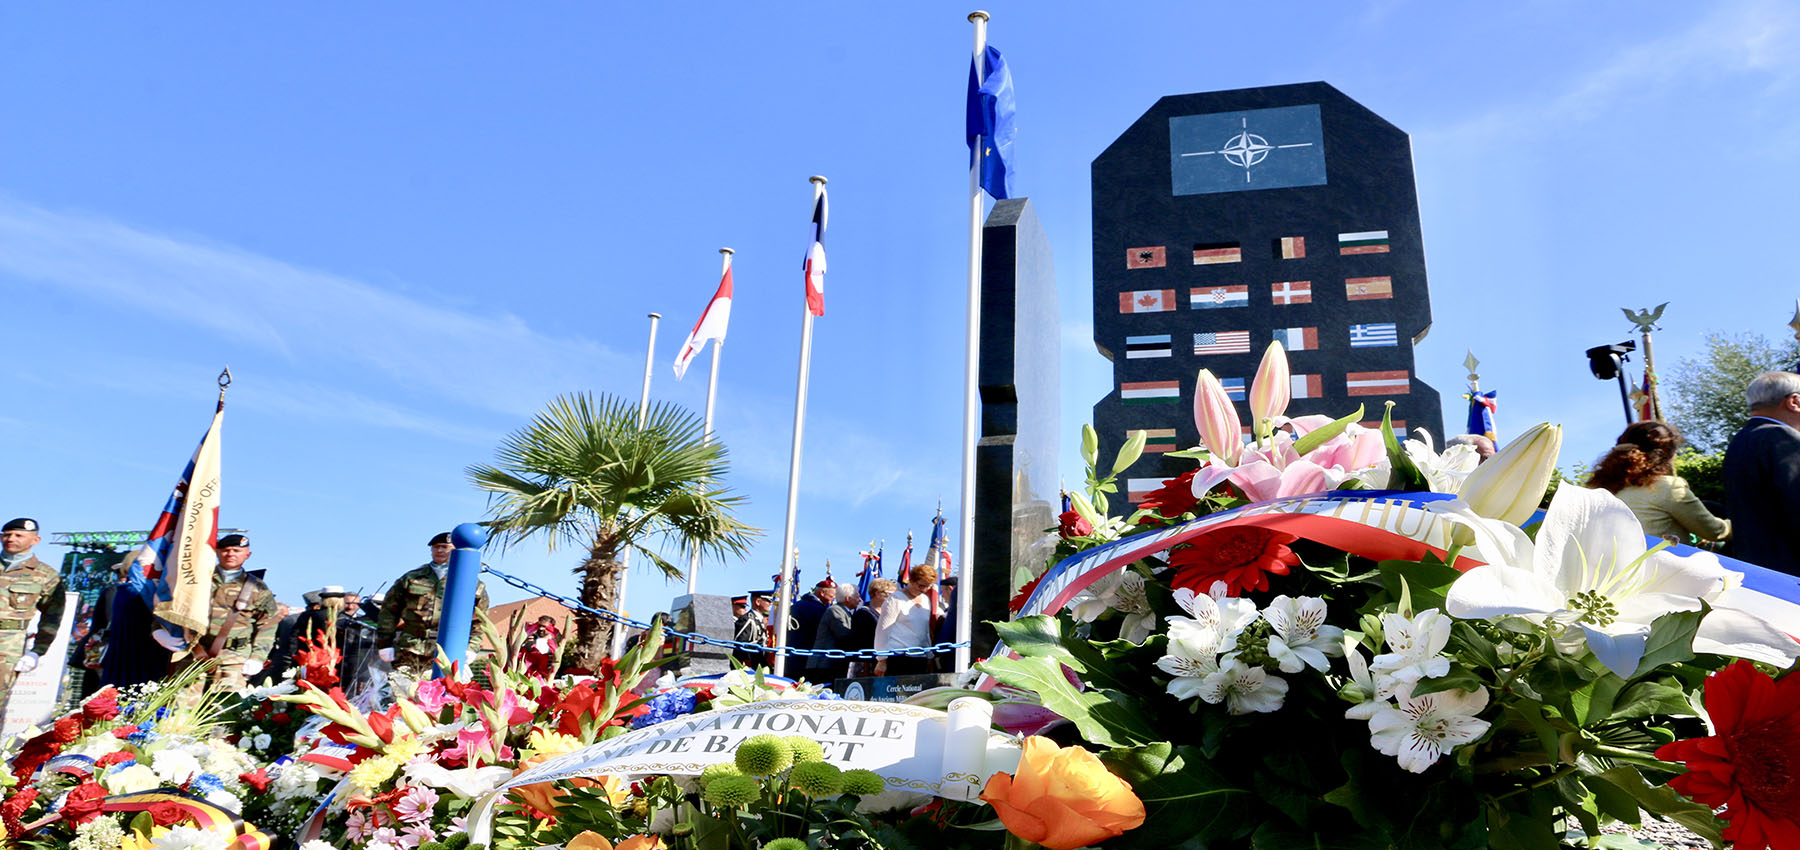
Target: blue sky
(405, 228)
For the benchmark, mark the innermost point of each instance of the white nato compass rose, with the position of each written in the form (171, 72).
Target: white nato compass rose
(1246, 149)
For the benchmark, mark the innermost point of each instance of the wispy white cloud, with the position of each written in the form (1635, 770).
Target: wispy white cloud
(1759, 39)
(486, 360)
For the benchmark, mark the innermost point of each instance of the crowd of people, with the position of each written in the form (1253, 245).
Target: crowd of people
(833, 616)
(250, 638)
(1759, 522)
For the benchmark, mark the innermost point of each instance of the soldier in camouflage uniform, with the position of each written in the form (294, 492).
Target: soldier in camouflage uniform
(27, 586)
(406, 635)
(243, 646)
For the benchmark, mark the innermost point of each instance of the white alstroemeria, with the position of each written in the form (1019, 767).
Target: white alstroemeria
(1193, 655)
(1590, 569)
(1228, 614)
(1301, 638)
(1123, 592)
(1243, 688)
(1422, 729)
(1374, 697)
(1416, 646)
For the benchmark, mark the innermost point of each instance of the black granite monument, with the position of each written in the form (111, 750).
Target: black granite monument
(1225, 220)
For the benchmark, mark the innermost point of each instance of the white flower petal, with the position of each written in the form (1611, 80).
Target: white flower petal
(1496, 591)
(1728, 631)
(1619, 646)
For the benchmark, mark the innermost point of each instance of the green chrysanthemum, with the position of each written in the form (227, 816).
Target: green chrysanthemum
(805, 749)
(732, 792)
(863, 783)
(714, 771)
(785, 844)
(764, 755)
(817, 779)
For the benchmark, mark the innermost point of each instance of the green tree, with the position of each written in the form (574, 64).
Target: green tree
(1704, 395)
(584, 472)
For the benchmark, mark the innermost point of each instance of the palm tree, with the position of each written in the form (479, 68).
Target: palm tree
(584, 472)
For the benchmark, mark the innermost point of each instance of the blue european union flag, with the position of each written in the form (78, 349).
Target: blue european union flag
(1253, 149)
(990, 116)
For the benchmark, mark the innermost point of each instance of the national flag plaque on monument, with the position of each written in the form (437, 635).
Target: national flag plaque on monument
(1147, 301)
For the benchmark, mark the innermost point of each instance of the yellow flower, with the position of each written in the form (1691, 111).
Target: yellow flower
(369, 776)
(549, 743)
(403, 749)
(1063, 798)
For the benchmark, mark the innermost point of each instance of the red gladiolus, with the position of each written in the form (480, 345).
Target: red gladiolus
(1174, 498)
(1073, 524)
(103, 705)
(1242, 556)
(83, 803)
(1751, 764)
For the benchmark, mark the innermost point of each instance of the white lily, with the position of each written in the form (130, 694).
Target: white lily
(1590, 569)
(1422, 729)
(468, 783)
(1301, 638)
(1445, 471)
(1243, 688)
(1416, 646)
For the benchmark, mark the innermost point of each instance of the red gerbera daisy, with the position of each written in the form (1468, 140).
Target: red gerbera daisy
(1242, 556)
(1174, 498)
(1751, 764)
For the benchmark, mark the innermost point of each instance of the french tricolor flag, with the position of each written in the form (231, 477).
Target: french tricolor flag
(815, 256)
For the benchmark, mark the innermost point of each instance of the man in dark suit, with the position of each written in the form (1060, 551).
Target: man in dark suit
(834, 632)
(804, 618)
(1762, 475)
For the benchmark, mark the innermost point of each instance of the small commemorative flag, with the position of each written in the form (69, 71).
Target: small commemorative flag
(1222, 342)
(1292, 292)
(1290, 248)
(1147, 301)
(1156, 440)
(1149, 392)
(1152, 257)
(1139, 489)
(1374, 335)
(1395, 382)
(1305, 386)
(1218, 297)
(1208, 253)
(1234, 388)
(1298, 339)
(1368, 242)
(1151, 345)
(1368, 288)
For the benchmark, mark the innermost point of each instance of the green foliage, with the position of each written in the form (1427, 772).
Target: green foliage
(586, 472)
(1704, 396)
(1705, 473)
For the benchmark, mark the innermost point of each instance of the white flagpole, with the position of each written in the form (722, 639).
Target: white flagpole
(785, 596)
(618, 632)
(965, 524)
(712, 392)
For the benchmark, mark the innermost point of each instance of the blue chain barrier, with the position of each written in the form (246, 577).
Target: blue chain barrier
(708, 640)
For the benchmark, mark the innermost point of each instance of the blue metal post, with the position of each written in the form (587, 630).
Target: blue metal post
(455, 622)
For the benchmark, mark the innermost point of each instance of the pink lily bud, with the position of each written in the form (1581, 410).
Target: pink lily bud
(1216, 417)
(1270, 391)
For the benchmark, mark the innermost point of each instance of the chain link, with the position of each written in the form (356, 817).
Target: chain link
(708, 640)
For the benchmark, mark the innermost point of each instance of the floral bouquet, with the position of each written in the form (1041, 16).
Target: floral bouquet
(1498, 682)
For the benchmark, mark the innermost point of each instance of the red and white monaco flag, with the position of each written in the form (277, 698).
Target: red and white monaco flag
(711, 325)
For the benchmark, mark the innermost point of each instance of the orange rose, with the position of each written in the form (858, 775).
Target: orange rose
(1062, 798)
(589, 840)
(642, 842)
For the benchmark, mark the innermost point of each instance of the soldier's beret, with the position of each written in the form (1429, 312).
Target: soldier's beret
(231, 540)
(441, 538)
(20, 524)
